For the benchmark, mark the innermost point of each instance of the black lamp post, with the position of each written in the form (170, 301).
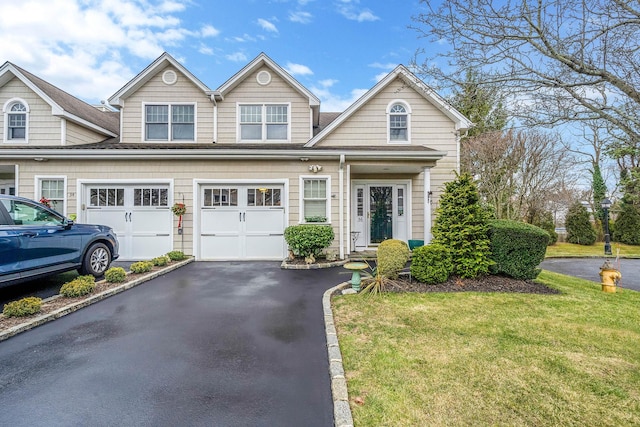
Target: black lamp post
(606, 204)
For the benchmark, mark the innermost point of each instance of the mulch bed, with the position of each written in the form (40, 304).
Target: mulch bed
(482, 284)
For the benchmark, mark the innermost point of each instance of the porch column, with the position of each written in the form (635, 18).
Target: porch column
(426, 172)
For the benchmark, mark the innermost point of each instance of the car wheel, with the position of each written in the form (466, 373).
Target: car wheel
(96, 260)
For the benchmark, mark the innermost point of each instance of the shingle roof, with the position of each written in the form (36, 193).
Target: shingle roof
(325, 120)
(69, 103)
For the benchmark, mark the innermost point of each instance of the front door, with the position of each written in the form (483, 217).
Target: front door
(379, 214)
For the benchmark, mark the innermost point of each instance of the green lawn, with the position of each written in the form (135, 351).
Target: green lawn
(493, 359)
(562, 250)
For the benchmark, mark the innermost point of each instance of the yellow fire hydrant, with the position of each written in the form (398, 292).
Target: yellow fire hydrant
(610, 277)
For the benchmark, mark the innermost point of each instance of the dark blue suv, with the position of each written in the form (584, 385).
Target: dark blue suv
(36, 241)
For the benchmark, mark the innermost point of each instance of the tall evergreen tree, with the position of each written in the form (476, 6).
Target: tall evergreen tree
(578, 224)
(599, 189)
(462, 225)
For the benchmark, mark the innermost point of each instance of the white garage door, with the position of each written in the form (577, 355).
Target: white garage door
(139, 214)
(242, 222)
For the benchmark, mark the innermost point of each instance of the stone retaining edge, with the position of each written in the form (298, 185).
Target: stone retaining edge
(341, 411)
(32, 323)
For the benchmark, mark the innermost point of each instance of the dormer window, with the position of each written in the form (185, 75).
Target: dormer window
(170, 122)
(264, 122)
(399, 114)
(16, 121)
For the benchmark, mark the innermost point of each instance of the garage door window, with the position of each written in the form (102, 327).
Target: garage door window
(264, 197)
(104, 197)
(150, 197)
(220, 197)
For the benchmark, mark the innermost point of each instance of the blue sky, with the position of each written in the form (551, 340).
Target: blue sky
(336, 48)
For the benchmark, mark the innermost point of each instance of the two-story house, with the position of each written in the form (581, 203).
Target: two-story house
(247, 159)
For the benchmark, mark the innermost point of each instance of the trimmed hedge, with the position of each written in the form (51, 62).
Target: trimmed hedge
(176, 255)
(308, 239)
(23, 307)
(115, 275)
(78, 287)
(392, 256)
(431, 264)
(517, 248)
(141, 267)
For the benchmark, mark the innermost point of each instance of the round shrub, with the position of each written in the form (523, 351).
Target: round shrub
(176, 255)
(431, 264)
(392, 256)
(115, 275)
(141, 267)
(78, 287)
(517, 248)
(23, 307)
(161, 261)
(308, 239)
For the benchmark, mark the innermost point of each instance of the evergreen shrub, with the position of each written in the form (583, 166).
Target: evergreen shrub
(579, 228)
(627, 226)
(308, 240)
(141, 267)
(78, 287)
(431, 264)
(462, 225)
(115, 275)
(23, 307)
(161, 261)
(176, 255)
(392, 256)
(517, 248)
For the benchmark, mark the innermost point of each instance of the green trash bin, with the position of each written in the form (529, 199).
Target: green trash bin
(415, 244)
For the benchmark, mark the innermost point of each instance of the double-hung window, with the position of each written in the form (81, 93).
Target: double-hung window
(264, 122)
(16, 115)
(170, 122)
(399, 122)
(52, 191)
(315, 199)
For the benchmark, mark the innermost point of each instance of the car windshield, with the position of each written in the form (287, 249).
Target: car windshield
(25, 213)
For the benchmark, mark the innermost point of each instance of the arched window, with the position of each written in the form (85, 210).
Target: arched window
(16, 121)
(399, 122)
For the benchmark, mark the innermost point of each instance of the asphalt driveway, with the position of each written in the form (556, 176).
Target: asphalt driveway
(224, 344)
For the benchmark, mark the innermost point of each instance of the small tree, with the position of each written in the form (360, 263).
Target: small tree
(627, 225)
(578, 224)
(544, 220)
(462, 225)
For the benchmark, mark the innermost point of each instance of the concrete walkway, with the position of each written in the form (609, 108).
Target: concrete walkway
(589, 269)
(225, 344)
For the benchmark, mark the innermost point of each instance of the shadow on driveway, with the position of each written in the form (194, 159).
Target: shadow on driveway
(208, 344)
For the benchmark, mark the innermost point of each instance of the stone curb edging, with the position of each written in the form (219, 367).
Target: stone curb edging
(286, 266)
(85, 302)
(341, 411)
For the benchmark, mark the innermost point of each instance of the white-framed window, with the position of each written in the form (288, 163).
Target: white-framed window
(315, 199)
(16, 120)
(169, 122)
(53, 191)
(399, 122)
(263, 122)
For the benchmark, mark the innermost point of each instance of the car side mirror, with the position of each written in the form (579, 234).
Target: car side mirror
(68, 223)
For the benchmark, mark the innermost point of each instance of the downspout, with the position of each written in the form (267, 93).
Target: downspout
(458, 151)
(341, 204)
(427, 204)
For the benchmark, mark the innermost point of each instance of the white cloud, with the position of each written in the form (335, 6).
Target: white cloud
(298, 69)
(388, 66)
(327, 82)
(205, 50)
(300, 17)
(237, 57)
(332, 102)
(350, 10)
(209, 31)
(380, 76)
(90, 48)
(267, 26)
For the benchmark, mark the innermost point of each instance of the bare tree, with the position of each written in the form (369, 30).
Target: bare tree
(561, 60)
(518, 173)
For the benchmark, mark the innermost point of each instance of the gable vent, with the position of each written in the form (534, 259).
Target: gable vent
(169, 77)
(263, 78)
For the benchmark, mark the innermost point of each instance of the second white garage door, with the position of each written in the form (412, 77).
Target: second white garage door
(242, 222)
